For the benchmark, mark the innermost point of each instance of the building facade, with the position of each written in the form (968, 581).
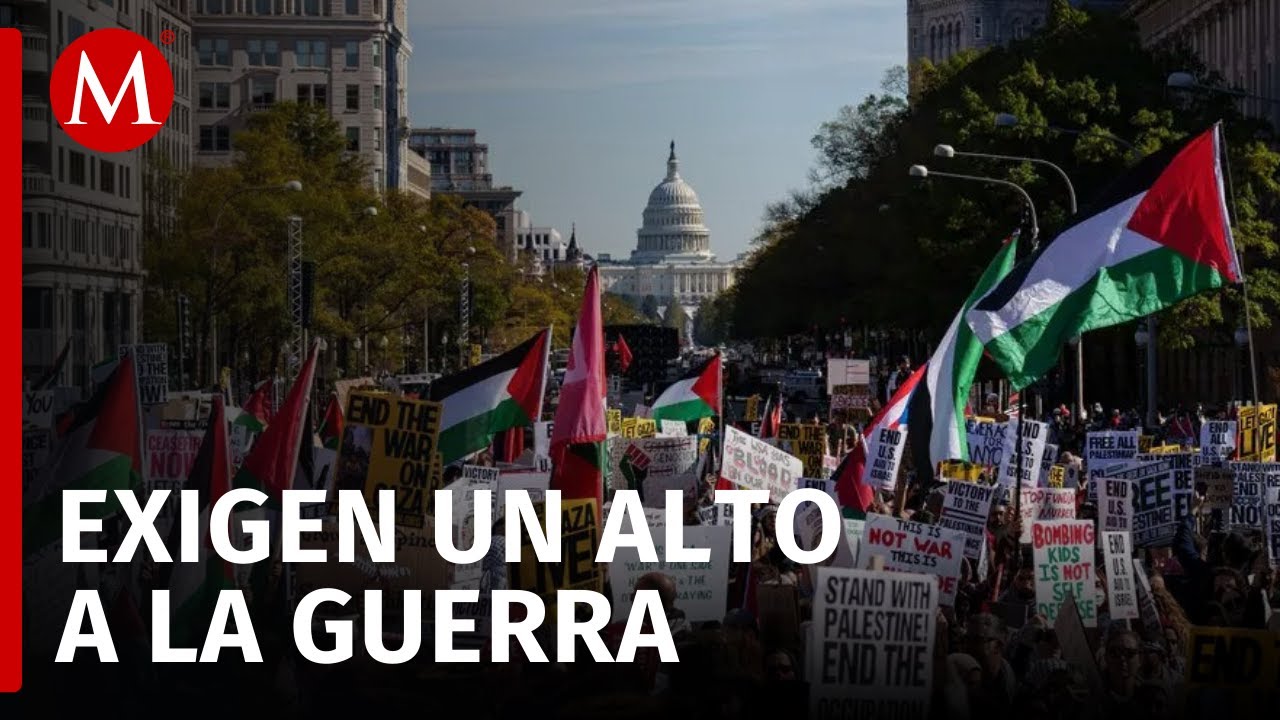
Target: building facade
(82, 217)
(673, 257)
(460, 166)
(938, 29)
(348, 56)
(1239, 39)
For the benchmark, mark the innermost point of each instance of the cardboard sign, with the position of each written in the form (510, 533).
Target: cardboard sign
(965, 509)
(1122, 593)
(915, 547)
(673, 428)
(1219, 483)
(1031, 449)
(871, 649)
(756, 465)
(1249, 490)
(1155, 519)
(579, 543)
(613, 416)
(647, 465)
(807, 442)
(152, 363)
(390, 443)
(701, 588)
(986, 442)
(885, 449)
(1045, 504)
(1107, 448)
(1063, 552)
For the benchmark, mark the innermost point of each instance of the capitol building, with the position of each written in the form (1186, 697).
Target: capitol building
(673, 255)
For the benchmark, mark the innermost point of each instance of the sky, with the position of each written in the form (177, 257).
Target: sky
(578, 99)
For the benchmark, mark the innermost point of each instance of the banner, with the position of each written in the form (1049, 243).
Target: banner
(1030, 449)
(1045, 504)
(1104, 449)
(1122, 595)
(986, 441)
(673, 428)
(756, 465)
(915, 547)
(1217, 439)
(1063, 553)
(885, 448)
(1115, 505)
(1219, 487)
(579, 543)
(701, 588)
(389, 442)
(1154, 493)
(1250, 492)
(807, 442)
(1232, 673)
(870, 651)
(965, 509)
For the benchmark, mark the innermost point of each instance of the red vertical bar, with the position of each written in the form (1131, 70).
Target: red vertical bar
(11, 363)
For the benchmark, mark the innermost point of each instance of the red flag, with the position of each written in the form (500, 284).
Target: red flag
(771, 420)
(331, 428)
(274, 458)
(580, 429)
(624, 354)
(259, 403)
(852, 492)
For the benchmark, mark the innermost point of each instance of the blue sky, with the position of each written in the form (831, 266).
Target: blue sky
(578, 99)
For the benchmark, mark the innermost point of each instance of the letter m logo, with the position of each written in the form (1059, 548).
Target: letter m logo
(136, 77)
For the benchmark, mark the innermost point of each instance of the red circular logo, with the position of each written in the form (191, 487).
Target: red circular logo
(111, 90)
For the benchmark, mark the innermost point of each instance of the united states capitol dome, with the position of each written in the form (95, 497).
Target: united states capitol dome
(673, 227)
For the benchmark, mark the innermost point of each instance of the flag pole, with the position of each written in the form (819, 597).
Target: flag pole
(1244, 285)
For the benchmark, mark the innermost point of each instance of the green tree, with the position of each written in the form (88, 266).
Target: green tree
(649, 308)
(675, 316)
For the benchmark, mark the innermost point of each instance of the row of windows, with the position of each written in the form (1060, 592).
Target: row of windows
(217, 138)
(262, 94)
(945, 39)
(305, 8)
(117, 315)
(88, 171)
(308, 53)
(82, 235)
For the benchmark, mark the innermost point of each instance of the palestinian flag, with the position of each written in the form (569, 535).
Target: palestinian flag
(481, 401)
(194, 586)
(101, 450)
(694, 396)
(331, 427)
(578, 434)
(271, 463)
(1159, 235)
(937, 429)
(256, 411)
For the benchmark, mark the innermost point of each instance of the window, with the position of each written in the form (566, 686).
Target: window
(353, 98)
(127, 182)
(37, 308)
(263, 7)
(79, 231)
(262, 92)
(915, 39)
(353, 7)
(62, 166)
(306, 7)
(108, 170)
(353, 139)
(314, 94)
(217, 7)
(213, 51)
(215, 138)
(977, 28)
(311, 53)
(377, 139)
(76, 168)
(377, 97)
(215, 95)
(376, 47)
(353, 54)
(109, 235)
(75, 28)
(263, 53)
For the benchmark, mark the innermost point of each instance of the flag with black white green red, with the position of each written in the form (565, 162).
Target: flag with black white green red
(502, 393)
(101, 450)
(692, 397)
(271, 464)
(1158, 235)
(331, 426)
(194, 586)
(937, 429)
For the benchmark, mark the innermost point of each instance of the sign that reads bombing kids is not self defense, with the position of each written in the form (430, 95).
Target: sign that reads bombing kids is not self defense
(915, 547)
(389, 443)
(1063, 553)
(757, 465)
(871, 648)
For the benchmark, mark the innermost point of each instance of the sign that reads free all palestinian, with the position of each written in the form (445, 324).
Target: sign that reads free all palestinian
(1107, 448)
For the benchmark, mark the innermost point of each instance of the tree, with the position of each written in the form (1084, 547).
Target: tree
(676, 317)
(649, 308)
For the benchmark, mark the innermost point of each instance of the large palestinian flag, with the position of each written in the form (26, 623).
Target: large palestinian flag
(937, 428)
(503, 393)
(578, 434)
(1159, 235)
(101, 450)
(692, 397)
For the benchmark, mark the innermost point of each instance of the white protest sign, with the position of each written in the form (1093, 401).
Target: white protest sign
(535, 483)
(965, 509)
(1063, 553)
(1248, 507)
(672, 428)
(1047, 461)
(38, 408)
(884, 454)
(870, 651)
(542, 438)
(1217, 439)
(846, 555)
(825, 485)
(653, 465)
(701, 588)
(1122, 594)
(170, 455)
(843, 371)
(1273, 524)
(152, 363)
(36, 445)
(755, 465)
(1147, 609)
(719, 514)
(986, 442)
(915, 547)
(1107, 448)
(1031, 449)
(1115, 504)
(1154, 503)
(1045, 504)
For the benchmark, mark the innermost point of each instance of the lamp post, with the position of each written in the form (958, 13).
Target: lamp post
(290, 186)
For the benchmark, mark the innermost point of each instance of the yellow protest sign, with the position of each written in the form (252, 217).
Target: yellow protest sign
(629, 428)
(579, 542)
(752, 411)
(389, 443)
(646, 427)
(476, 354)
(1232, 672)
(706, 426)
(959, 470)
(1164, 449)
(1246, 434)
(1145, 442)
(1058, 476)
(1267, 433)
(807, 442)
(613, 417)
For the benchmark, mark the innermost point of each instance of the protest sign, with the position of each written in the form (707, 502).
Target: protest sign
(1046, 463)
(1232, 672)
(718, 514)
(1153, 491)
(1219, 487)
(885, 449)
(1063, 554)
(986, 441)
(751, 412)
(1273, 524)
(1183, 466)
(1104, 449)
(1057, 477)
(673, 428)
(152, 363)
(38, 408)
(643, 464)
(389, 443)
(1217, 439)
(807, 442)
(915, 547)
(958, 470)
(870, 653)
(1267, 433)
(1031, 449)
(965, 509)
(701, 588)
(1249, 491)
(1147, 609)
(170, 454)
(579, 543)
(1248, 449)
(756, 465)
(825, 485)
(542, 438)
(850, 397)
(1122, 595)
(1115, 504)
(614, 418)
(1145, 443)
(534, 483)
(1045, 504)
(844, 371)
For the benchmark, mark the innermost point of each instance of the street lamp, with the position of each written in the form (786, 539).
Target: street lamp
(920, 171)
